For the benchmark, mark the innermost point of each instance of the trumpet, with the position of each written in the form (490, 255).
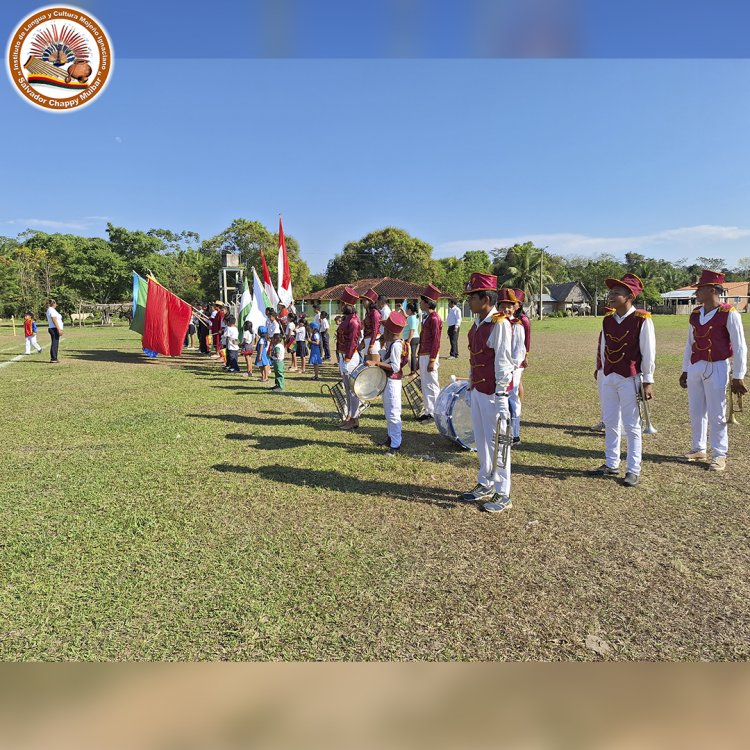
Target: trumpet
(731, 419)
(643, 408)
(503, 442)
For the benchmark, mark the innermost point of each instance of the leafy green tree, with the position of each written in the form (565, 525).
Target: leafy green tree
(519, 267)
(385, 252)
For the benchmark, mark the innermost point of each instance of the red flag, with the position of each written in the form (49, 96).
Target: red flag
(266, 274)
(166, 321)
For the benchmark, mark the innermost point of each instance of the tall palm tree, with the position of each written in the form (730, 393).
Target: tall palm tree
(518, 267)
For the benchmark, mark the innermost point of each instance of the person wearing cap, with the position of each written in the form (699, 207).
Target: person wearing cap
(626, 354)
(371, 324)
(507, 303)
(453, 321)
(393, 357)
(715, 336)
(347, 340)
(490, 373)
(429, 350)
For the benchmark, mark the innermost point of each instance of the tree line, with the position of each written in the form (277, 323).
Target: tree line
(37, 265)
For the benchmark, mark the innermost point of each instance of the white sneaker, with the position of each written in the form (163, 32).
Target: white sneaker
(696, 456)
(718, 464)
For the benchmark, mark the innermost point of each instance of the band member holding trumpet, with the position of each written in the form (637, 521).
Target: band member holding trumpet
(626, 360)
(715, 336)
(490, 375)
(370, 324)
(347, 340)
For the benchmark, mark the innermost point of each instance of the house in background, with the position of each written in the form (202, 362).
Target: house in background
(394, 290)
(682, 301)
(571, 298)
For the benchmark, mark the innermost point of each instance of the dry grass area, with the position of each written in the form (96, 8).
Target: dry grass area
(166, 510)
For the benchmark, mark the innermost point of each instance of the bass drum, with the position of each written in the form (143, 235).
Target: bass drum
(453, 414)
(367, 382)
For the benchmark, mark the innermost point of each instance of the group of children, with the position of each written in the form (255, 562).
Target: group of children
(266, 348)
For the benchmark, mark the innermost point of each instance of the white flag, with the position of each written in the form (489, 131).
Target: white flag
(246, 302)
(258, 308)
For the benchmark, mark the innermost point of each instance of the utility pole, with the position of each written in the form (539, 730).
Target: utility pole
(541, 282)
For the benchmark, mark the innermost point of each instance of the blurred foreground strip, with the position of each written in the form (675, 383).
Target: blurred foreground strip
(217, 706)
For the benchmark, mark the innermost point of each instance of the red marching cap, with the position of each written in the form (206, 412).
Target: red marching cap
(395, 322)
(481, 282)
(370, 294)
(431, 292)
(505, 294)
(629, 281)
(710, 278)
(349, 296)
(520, 294)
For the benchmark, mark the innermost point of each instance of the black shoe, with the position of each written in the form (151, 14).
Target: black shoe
(424, 418)
(516, 440)
(604, 471)
(393, 451)
(631, 480)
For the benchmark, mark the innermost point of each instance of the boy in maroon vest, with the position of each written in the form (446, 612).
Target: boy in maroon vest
(715, 337)
(370, 324)
(429, 350)
(490, 374)
(347, 340)
(626, 354)
(393, 356)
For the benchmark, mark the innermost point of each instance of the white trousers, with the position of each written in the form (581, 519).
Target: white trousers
(514, 400)
(620, 412)
(707, 395)
(484, 422)
(345, 368)
(430, 383)
(392, 409)
(31, 341)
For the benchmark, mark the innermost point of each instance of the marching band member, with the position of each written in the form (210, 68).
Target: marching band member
(715, 336)
(347, 341)
(371, 327)
(490, 374)
(627, 349)
(506, 304)
(393, 358)
(429, 349)
(523, 319)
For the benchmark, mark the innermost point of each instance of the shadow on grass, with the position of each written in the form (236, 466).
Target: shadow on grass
(280, 443)
(114, 355)
(335, 481)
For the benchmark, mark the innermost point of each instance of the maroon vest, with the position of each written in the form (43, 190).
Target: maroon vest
(371, 323)
(711, 342)
(404, 359)
(482, 356)
(622, 346)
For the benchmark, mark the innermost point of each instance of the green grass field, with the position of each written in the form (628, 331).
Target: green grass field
(162, 509)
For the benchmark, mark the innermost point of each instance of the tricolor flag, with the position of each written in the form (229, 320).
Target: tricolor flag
(270, 292)
(246, 302)
(140, 295)
(257, 313)
(284, 279)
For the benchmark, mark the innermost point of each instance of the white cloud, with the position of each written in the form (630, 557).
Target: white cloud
(703, 239)
(118, 139)
(49, 224)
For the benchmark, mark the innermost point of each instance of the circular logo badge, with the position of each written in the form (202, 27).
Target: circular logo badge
(60, 58)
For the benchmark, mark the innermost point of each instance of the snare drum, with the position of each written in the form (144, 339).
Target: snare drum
(453, 414)
(367, 382)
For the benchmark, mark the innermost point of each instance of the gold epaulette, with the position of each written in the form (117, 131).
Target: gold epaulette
(697, 308)
(499, 317)
(608, 313)
(643, 313)
(726, 307)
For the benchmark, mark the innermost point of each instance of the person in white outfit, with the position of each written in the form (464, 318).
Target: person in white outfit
(393, 356)
(715, 337)
(29, 329)
(429, 350)
(453, 321)
(347, 339)
(507, 306)
(626, 356)
(490, 374)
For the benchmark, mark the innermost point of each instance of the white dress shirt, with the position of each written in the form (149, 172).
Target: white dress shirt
(736, 336)
(394, 358)
(647, 342)
(454, 316)
(500, 339)
(518, 344)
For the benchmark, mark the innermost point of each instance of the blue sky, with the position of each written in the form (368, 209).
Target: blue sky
(582, 155)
